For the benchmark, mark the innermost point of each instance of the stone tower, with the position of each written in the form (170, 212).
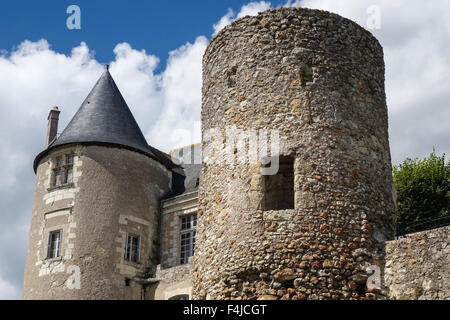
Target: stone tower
(312, 230)
(94, 221)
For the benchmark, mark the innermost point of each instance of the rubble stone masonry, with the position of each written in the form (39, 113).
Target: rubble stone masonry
(417, 266)
(318, 78)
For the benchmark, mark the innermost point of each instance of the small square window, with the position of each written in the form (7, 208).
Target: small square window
(54, 244)
(69, 159)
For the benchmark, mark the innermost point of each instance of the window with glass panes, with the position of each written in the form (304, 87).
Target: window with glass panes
(187, 237)
(54, 244)
(133, 248)
(63, 170)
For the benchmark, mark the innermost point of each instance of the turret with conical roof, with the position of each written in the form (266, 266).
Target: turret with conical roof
(94, 223)
(104, 118)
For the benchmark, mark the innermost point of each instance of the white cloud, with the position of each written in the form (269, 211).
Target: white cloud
(179, 122)
(250, 9)
(224, 21)
(253, 8)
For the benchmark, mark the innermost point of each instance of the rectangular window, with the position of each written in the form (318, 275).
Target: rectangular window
(54, 244)
(187, 237)
(58, 162)
(63, 170)
(69, 159)
(133, 248)
(69, 175)
(279, 188)
(58, 177)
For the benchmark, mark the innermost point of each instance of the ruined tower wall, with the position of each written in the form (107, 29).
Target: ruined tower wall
(318, 79)
(114, 191)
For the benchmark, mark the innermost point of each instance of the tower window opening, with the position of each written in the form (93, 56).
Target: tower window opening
(279, 188)
(54, 244)
(63, 170)
(133, 248)
(187, 237)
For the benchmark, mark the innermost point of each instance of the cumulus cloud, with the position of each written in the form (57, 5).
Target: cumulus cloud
(250, 9)
(179, 122)
(167, 104)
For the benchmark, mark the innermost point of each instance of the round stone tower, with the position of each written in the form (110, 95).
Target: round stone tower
(94, 222)
(314, 228)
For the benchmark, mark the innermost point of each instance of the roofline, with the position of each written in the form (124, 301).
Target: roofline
(42, 154)
(182, 148)
(180, 196)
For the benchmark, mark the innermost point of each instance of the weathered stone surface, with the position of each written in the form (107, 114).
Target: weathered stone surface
(318, 79)
(418, 266)
(114, 191)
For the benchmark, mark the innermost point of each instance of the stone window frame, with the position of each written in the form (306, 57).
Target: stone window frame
(127, 256)
(64, 168)
(193, 229)
(66, 235)
(51, 231)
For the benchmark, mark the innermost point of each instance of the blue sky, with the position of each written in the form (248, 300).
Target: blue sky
(155, 50)
(156, 26)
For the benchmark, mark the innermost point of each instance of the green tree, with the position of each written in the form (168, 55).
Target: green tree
(423, 192)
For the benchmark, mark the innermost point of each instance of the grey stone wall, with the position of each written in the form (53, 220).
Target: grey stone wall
(173, 282)
(171, 212)
(418, 266)
(319, 79)
(115, 191)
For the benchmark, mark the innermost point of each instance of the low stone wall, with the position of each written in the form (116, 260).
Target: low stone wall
(175, 281)
(417, 266)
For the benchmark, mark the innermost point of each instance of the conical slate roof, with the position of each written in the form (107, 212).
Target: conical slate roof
(104, 118)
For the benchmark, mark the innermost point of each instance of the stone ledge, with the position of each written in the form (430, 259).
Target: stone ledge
(62, 186)
(279, 215)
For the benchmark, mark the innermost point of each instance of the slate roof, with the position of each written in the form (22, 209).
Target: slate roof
(104, 118)
(186, 177)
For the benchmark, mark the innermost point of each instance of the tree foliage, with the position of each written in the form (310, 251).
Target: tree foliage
(423, 191)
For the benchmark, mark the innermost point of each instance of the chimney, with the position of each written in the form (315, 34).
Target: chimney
(52, 128)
